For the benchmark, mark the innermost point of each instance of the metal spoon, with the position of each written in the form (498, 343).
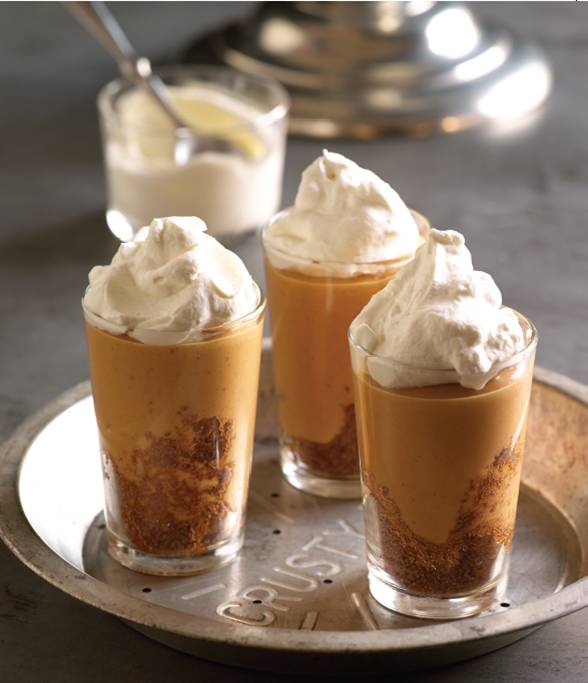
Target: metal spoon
(99, 22)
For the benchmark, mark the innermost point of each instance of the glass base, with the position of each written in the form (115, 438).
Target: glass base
(119, 225)
(166, 565)
(301, 478)
(423, 607)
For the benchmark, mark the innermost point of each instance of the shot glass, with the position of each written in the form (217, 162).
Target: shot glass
(440, 469)
(176, 427)
(233, 192)
(311, 306)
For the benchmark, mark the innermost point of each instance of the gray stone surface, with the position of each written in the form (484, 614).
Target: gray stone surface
(520, 196)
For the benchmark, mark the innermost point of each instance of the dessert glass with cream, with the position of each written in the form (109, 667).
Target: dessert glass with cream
(347, 235)
(233, 192)
(174, 328)
(442, 380)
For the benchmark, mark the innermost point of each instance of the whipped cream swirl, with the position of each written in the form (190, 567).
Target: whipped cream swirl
(344, 218)
(440, 321)
(168, 284)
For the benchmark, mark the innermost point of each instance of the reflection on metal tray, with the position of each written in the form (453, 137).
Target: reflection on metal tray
(297, 598)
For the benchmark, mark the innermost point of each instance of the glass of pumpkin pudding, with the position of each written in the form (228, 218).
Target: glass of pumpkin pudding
(174, 329)
(442, 379)
(347, 235)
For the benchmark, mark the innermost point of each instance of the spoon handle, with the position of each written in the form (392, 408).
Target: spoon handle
(101, 24)
(98, 20)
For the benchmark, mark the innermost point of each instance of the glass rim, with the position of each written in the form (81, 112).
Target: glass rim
(519, 355)
(277, 112)
(423, 223)
(210, 331)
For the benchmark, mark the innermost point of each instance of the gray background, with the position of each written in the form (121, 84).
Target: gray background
(521, 198)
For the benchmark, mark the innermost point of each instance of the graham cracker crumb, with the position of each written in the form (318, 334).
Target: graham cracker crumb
(336, 458)
(171, 494)
(466, 561)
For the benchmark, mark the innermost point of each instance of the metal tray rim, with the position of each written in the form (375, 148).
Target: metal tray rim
(32, 551)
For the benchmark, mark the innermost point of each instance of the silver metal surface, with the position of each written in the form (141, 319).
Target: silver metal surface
(363, 69)
(101, 24)
(297, 599)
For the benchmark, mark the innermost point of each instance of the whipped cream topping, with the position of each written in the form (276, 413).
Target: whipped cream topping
(168, 284)
(344, 218)
(439, 321)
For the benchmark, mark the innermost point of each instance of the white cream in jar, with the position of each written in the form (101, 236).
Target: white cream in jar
(232, 192)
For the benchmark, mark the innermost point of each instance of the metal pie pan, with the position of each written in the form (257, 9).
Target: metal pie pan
(296, 600)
